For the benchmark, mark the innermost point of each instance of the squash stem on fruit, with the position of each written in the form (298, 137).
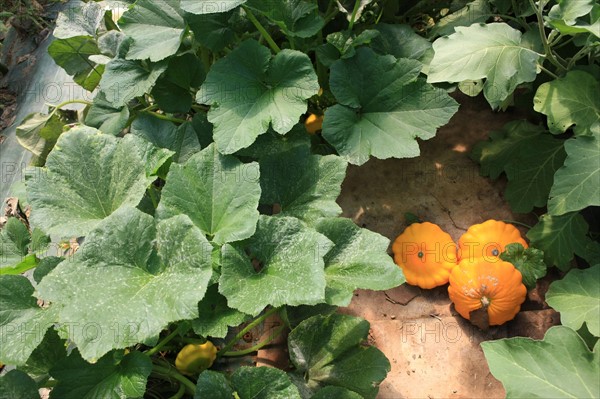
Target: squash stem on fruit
(262, 30)
(179, 393)
(165, 341)
(249, 327)
(354, 12)
(258, 346)
(168, 374)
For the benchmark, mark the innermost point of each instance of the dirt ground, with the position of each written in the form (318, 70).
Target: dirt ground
(434, 353)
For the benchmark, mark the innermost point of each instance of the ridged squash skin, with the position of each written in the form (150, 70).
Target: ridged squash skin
(426, 254)
(488, 240)
(496, 285)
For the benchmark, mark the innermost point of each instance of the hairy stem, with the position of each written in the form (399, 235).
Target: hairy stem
(169, 373)
(165, 117)
(249, 327)
(258, 346)
(169, 337)
(549, 54)
(59, 106)
(353, 16)
(262, 30)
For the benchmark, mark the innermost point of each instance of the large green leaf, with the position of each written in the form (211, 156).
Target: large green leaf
(474, 11)
(106, 118)
(569, 10)
(401, 41)
(215, 316)
(560, 366)
(213, 31)
(79, 21)
(529, 155)
(18, 247)
(38, 133)
(289, 259)
(73, 55)
(248, 91)
(328, 350)
(560, 237)
(531, 172)
(156, 27)
(303, 185)
(209, 6)
(571, 100)
(125, 80)
(130, 278)
(182, 140)
(492, 51)
(87, 177)
(172, 90)
(263, 383)
(218, 192)
(577, 183)
(114, 376)
(294, 17)
(17, 385)
(214, 385)
(383, 107)
(498, 152)
(529, 261)
(333, 392)
(359, 259)
(577, 298)
(23, 322)
(272, 143)
(14, 242)
(247, 383)
(49, 352)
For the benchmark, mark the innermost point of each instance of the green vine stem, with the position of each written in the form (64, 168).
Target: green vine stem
(165, 117)
(59, 106)
(165, 341)
(169, 373)
(179, 393)
(547, 71)
(258, 346)
(579, 55)
(249, 327)
(547, 49)
(153, 197)
(262, 30)
(354, 12)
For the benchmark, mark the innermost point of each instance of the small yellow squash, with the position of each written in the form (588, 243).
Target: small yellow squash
(426, 254)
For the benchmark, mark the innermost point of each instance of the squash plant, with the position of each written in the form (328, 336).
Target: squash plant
(542, 56)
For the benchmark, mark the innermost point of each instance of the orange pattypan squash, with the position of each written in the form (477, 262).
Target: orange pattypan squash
(426, 254)
(313, 123)
(493, 286)
(488, 240)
